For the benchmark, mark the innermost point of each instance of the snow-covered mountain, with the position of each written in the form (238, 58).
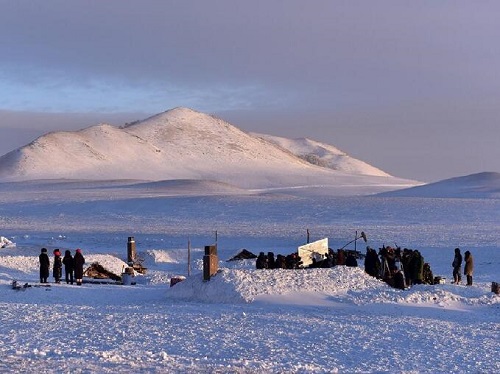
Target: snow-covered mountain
(480, 185)
(185, 144)
(324, 155)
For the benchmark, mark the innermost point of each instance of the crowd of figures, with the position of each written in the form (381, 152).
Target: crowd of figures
(293, 260)
(400, 268)
(404, 268)
(73, 266)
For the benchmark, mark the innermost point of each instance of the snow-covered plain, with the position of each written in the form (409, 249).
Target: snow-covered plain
(184, 176)
(242, 320)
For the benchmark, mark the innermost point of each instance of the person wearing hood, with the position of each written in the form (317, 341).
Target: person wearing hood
(57, 267)
(469, 267)
(44, 265)
(68, 266)
(457, 266)
(78, 261)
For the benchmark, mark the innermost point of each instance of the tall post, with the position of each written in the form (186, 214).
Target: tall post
(307, 236)
(210, 262)
(131, 252)
(355, 239)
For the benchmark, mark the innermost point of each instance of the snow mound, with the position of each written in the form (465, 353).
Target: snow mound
(480, 185)
(339, 285)
(17, 268)
(6, 243)
(109, 262)
(245, 285)
(164, 256)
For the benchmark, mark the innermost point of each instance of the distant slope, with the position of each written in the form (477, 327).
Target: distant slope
(324, 155)
(481, 185)
(184, 144)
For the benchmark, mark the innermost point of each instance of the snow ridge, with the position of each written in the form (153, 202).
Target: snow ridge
(324, 155)
(479, 185)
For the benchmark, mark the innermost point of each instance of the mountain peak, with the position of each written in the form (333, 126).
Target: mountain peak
(175, 114)
(183, 143)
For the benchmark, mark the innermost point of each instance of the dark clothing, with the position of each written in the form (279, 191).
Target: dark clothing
(261, 262)
(457, 266)
(428, 276)
(68, 267)
(44, 267)
(372, 263)
(417, 268)
(469, 267)
(57, 268)
(270, 260)
(79, 261)
(340, 257)
(280, 262)
(351, 261)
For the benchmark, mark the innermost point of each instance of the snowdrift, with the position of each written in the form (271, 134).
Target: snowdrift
(340, 284)
(475, 186)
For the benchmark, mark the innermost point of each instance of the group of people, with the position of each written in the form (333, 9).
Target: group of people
(400, 268)
(291, 261)
(73, 266)
(294, 261)
(407, 267)
(457, 267)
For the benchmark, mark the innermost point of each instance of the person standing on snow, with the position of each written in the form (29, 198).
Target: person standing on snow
(68, 266)
(44, 265)
(457, 265)
(79, 261)
(469, 267)
(57, 267)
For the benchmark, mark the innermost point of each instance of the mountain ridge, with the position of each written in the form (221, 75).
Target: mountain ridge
(182, 143)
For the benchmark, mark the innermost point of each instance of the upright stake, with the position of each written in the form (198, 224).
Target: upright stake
(307, 236)
(355, 239)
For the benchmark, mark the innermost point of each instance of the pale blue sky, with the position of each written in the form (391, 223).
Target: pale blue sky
(410, 87)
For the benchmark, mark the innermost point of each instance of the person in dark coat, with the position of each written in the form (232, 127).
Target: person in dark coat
(57, 266)
(417, 268)
(372, 263)
(469, 267)
(406, 259)
(68, 266)
(280, 262)
(261, 262)
(270, 260)
(457, 266)
(44, 265)
(78, 261)
(351, 260)
(340, 257)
